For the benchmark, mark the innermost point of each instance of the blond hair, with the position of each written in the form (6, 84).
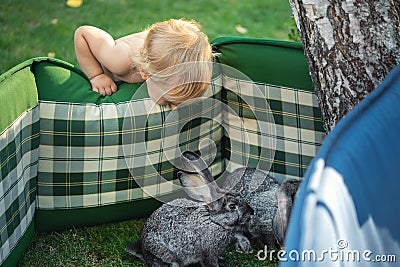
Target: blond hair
(177, 51)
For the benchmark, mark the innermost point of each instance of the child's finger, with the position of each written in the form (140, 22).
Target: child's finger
(114, 87)
(102, 91)
(108, 90)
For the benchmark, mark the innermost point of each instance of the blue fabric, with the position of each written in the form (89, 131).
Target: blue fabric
(347, 210)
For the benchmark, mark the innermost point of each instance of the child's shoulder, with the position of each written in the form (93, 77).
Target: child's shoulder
(134, 38)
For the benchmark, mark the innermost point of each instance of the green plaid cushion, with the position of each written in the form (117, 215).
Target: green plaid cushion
(85, 150)
(92, 155)
(298, 127)
(18, 170)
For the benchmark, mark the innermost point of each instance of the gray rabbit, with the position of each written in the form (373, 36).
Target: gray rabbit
(271, 202)
(184, 231)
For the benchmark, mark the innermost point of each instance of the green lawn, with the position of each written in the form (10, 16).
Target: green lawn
(37, 28)
(45, 28)
(105, 246)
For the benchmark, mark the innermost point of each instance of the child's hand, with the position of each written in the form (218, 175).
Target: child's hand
(103, 84)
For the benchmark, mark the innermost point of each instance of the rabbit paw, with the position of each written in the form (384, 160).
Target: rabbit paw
(242, 244)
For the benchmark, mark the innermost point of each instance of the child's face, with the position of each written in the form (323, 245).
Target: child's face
(155, 92)
(158, 95)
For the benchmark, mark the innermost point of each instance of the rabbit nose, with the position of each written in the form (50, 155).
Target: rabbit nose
(246, 211)
(250, 211)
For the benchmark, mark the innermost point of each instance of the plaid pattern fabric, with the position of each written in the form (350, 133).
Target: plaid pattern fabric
(89, 152)
(86, 149)
(298, 127)
(18, 171)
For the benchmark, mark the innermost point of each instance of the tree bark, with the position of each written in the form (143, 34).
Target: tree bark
(350, 46)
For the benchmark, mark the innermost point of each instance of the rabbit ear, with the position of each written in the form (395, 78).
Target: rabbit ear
(195, 187)
(193, 163)
(200, 189)
(285, 196)
(281, 218)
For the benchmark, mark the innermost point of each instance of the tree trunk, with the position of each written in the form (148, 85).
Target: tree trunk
(350, 46)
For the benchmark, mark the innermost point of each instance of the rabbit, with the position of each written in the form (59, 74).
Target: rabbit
(271, 202)
(183, 231)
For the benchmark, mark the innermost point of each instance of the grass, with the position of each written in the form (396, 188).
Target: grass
(45, 28)
(42, 27)
(91, 246)
(105, 246)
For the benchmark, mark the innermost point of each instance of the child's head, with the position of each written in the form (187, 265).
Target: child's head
(176, 54)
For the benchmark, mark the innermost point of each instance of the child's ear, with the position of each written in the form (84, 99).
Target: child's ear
(143, 74)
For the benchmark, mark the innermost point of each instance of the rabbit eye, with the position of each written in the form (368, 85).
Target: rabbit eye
(232, 207)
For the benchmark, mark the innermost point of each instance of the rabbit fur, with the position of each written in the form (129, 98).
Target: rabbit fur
(271, 202)
(183, 231)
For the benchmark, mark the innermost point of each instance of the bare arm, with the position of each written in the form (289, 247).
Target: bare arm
(94, 48)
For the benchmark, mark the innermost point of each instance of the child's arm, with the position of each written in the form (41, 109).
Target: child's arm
(95, 48)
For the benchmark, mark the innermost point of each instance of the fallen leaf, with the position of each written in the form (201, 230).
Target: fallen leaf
(74, 3)
(54, 21)
(51, 54)
(241, 29)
